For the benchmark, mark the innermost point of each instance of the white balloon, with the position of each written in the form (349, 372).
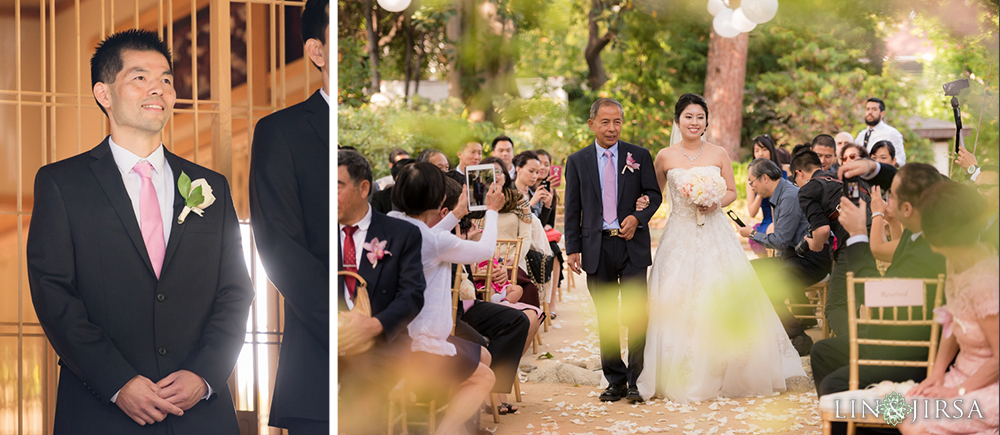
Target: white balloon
(741, 22)
(394, 5)
(715, 6)
(723, 24)
(760, 11)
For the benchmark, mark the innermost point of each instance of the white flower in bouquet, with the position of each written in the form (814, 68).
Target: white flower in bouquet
(704, 187)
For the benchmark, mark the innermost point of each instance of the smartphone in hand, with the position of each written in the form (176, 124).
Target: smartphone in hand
(735, 218)
(556, 171)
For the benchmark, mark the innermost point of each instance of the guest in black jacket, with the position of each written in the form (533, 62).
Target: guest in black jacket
(913, 259)
(382, 200)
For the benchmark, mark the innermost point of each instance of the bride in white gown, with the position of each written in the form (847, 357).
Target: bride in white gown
(712, 330)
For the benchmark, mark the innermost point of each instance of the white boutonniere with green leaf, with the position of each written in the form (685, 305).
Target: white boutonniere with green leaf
(197, 196)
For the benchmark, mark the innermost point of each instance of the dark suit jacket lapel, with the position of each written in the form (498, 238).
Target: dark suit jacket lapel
(176, 230)
(365, 269)
(590, 157)
(110, 177)
(319, 116)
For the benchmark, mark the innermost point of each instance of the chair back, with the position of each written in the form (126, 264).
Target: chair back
(510, 251)
(361, 305)
(915, 316)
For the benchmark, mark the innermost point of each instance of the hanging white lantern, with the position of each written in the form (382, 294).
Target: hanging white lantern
(715, 6)
(759, 11)
(723, 24)
(741, 22)
(395, 5)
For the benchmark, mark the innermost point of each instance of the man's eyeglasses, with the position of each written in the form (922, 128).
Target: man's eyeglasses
(754, 180)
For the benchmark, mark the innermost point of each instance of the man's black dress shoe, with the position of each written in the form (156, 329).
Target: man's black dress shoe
(633, 395)
(614, 393)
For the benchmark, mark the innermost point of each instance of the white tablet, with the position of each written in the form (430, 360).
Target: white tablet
(479, 178)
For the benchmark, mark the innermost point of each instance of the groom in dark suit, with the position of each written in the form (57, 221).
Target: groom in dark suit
(144, 301)
(603, 182)
(290, 206)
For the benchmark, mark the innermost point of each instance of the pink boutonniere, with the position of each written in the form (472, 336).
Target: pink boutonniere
(376, 250)
(630, 163)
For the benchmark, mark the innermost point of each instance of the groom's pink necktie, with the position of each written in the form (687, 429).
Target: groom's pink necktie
(610, 196)
(150, 219)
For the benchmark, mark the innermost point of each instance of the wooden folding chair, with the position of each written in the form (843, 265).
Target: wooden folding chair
(816, 294)
(828, 404)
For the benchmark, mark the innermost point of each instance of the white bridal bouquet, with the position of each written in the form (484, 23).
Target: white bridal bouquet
(704, 187)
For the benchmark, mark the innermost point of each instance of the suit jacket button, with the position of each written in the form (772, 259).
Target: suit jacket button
(383, 291)
(162, 351)
(160, 297)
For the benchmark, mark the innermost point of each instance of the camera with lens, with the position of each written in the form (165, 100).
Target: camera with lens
(954, 88)
(803, 247)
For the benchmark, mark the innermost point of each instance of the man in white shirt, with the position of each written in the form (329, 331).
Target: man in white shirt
(144, 301)
(878, 130)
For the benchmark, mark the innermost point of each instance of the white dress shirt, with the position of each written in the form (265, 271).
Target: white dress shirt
(359, 241)
(883, 131)
(162, 177)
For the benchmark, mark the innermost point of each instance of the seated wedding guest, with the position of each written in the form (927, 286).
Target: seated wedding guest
(436, 157)
(966, 368)
(382, 200)
(515, 220)
(507, 326)
(784, 159)
(469, 154)
(546, 178)
(798, 149)
(787, 275)
(884, 152)
(852, 152)
(290, 210)
(503, 149)
(913, 259)
(826, 148)
(395, 155)
(987, 185)
(396, 286)
(145, 305)
(819, 196)
(763, 148)
(440, 359)
(842, 139)
(527, 167)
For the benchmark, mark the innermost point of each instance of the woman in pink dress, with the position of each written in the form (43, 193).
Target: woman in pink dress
(952, 216)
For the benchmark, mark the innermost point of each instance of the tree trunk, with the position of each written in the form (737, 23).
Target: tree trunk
(408, 62)
(416, 66)
(724, 84)
(454, 33)
(595, 43)
(373, 54)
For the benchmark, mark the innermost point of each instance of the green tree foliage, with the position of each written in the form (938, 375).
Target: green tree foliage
(817, 85)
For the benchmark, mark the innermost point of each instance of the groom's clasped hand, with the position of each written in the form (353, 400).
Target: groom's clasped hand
(146, 402)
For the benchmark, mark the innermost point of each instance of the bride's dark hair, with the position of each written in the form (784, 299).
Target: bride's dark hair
(687, 100)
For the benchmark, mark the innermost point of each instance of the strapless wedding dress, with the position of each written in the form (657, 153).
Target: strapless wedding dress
(712, 330)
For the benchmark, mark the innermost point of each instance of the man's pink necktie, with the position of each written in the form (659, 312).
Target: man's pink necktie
(610, 196)
(150, 219)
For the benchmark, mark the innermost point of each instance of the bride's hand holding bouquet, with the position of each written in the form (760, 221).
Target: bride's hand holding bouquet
(705, 188)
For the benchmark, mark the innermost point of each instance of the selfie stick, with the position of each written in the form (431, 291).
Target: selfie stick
(958, 122)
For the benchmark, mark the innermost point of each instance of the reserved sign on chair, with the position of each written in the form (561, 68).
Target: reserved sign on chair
(894, 293)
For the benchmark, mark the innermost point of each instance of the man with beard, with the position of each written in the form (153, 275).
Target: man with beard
(878, 130)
